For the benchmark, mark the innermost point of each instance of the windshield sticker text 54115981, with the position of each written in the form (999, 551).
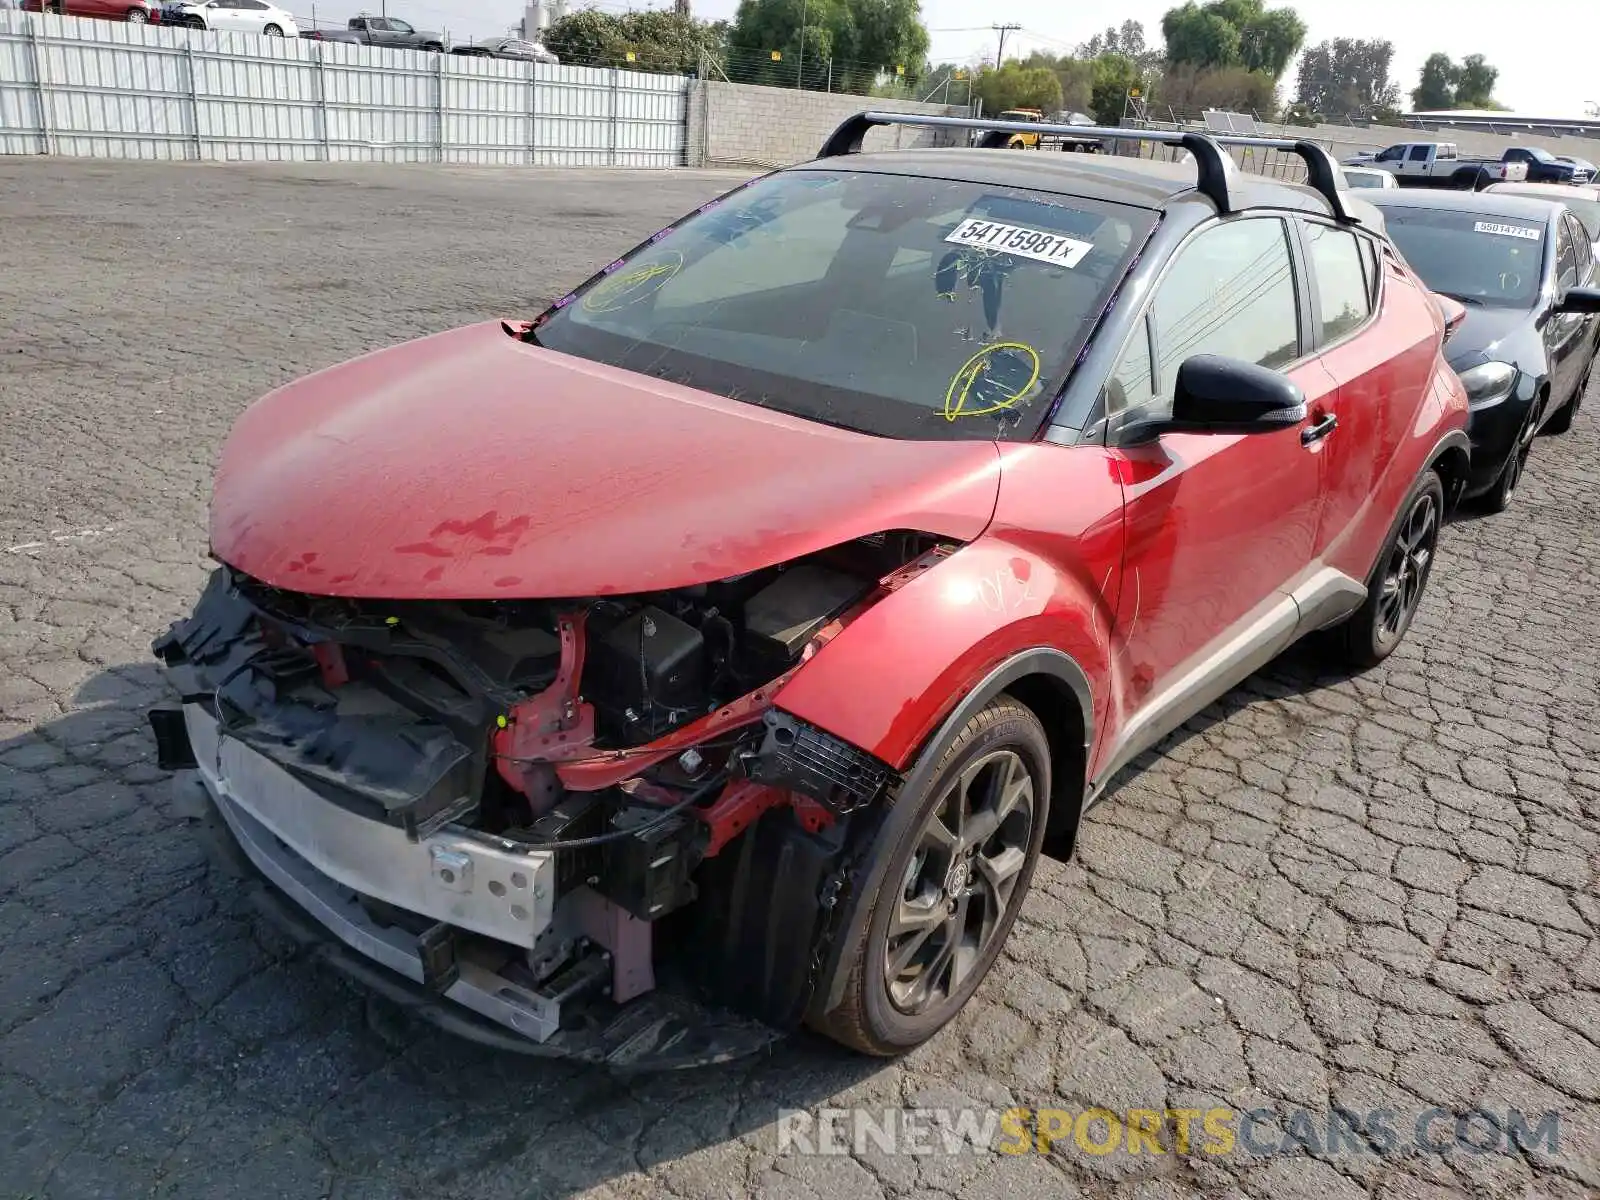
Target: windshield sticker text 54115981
(1517, 231)
(1017, 239)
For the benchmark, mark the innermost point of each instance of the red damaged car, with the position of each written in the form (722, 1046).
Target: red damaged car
(720, 650)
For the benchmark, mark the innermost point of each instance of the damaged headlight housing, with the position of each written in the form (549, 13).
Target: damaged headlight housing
(1488, 383)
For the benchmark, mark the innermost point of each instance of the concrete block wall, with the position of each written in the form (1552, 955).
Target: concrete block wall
(740, 125)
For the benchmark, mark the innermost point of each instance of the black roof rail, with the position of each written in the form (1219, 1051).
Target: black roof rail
(1217, 169)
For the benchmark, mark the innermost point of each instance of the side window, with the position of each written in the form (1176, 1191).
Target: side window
(1130, 384)
(1343, 293)
(1231, 292)
(1419, 153)
(1447, 151)
(1391, 154)
(397, 26)
(1566, 258)
(1374, 266)
(1580, 244)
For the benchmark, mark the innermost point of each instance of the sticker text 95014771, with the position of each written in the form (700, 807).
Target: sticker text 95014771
(1516, 231)
(1017, 239)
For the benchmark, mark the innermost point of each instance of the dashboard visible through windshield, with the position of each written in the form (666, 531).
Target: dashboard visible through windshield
(896, 305)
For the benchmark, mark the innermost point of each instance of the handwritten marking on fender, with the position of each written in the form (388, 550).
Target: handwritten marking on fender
(1004, 590)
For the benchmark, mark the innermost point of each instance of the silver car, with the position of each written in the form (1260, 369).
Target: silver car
(509, 47)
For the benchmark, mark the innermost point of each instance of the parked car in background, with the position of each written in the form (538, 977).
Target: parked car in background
(1439, 164)
(391, 32)
(508, 47)
(235, 16)
(1525, 271)
(1544, 167)
(1582, 164)
(1582, 198)
(138, 12)
(768, 613)
(1368, 177)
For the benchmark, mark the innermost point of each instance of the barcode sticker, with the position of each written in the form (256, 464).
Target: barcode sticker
(1053, 248)
(1516, 231)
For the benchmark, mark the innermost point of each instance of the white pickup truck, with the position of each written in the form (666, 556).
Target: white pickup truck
(1438, 164)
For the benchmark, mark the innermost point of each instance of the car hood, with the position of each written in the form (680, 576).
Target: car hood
(1490, 334)
(474, 465)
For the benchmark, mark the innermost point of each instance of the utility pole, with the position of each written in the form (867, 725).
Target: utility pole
(1000, 55)
(800, 61)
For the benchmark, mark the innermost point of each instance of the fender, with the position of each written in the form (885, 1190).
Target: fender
(896, 672)
(1039, 660)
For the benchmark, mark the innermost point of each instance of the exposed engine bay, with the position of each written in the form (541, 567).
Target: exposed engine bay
(566, 801)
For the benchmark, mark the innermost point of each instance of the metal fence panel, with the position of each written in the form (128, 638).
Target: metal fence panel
(106, 89)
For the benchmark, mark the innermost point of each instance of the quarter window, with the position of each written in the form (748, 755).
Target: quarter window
(1130, 384)
(1230, 292)
(1343, 291)
(1566, 257)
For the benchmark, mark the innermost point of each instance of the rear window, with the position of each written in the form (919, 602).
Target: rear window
(1477, 257)
(899, 306)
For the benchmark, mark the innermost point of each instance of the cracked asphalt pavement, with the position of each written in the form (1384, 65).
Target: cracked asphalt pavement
(1372, 893)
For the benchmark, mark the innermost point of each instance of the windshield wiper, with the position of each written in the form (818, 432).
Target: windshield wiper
(1473, 300)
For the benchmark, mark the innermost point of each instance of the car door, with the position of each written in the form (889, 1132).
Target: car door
(1218, 526)
(251, 15)
(400, 34)
(1416, 163)
(1566, 334)
(1569, 337)
(224, 15)
(1374, 335)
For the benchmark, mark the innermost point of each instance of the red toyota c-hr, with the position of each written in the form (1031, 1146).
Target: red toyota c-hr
(721, 649)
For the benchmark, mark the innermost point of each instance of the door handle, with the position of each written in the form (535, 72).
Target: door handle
(1315, 433)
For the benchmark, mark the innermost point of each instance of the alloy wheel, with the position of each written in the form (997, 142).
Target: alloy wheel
(1518, 461)
(1406, 573)
(136, 16)
(961, 881)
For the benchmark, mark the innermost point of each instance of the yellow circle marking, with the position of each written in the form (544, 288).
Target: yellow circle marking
(960, 391)
(631, 286)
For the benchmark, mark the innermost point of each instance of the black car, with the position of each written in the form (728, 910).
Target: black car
(1524, 269)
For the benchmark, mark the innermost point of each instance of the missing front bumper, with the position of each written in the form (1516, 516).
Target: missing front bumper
(464, 985)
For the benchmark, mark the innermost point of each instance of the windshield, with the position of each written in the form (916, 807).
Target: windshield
(899, 306)
(1587, 210)
(1478, 257)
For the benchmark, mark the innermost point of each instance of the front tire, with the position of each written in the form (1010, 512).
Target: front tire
(1394, 593)
(1562, 421)
(1498, 498)
(958, 868)
(137, 16)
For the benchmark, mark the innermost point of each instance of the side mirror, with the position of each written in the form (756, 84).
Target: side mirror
(1214, 394)
(1453, 311)
(1579, 300)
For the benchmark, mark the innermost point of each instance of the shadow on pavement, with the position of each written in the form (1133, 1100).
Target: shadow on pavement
(155, 1029)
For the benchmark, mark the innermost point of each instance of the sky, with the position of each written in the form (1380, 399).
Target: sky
(1545, 49)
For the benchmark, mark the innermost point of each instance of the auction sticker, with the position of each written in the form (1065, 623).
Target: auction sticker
(1052, 248)
(1516, 231)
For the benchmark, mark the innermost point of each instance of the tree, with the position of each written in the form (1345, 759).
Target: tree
(1114, 74)
(1436, 89)
(1017, 86)
(863, 38)
(659, 40)
(1127, 40)
(1475, 83)
(1075, 75)
(1445, 85)
(1188, 89)
(1233, 33)
(1346, 77)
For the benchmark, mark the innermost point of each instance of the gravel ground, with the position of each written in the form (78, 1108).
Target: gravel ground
(1375, 893)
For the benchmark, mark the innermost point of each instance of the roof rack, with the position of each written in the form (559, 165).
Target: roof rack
(1217, 169)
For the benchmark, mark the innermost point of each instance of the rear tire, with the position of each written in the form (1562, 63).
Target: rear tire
(959, 864)
(1399, 579)
(272, 31)
(137, 16)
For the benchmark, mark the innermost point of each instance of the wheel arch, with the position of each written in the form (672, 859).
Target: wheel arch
(1452, 458)
(1052, 684)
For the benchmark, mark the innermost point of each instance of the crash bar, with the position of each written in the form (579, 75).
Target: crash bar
(1216, 168)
